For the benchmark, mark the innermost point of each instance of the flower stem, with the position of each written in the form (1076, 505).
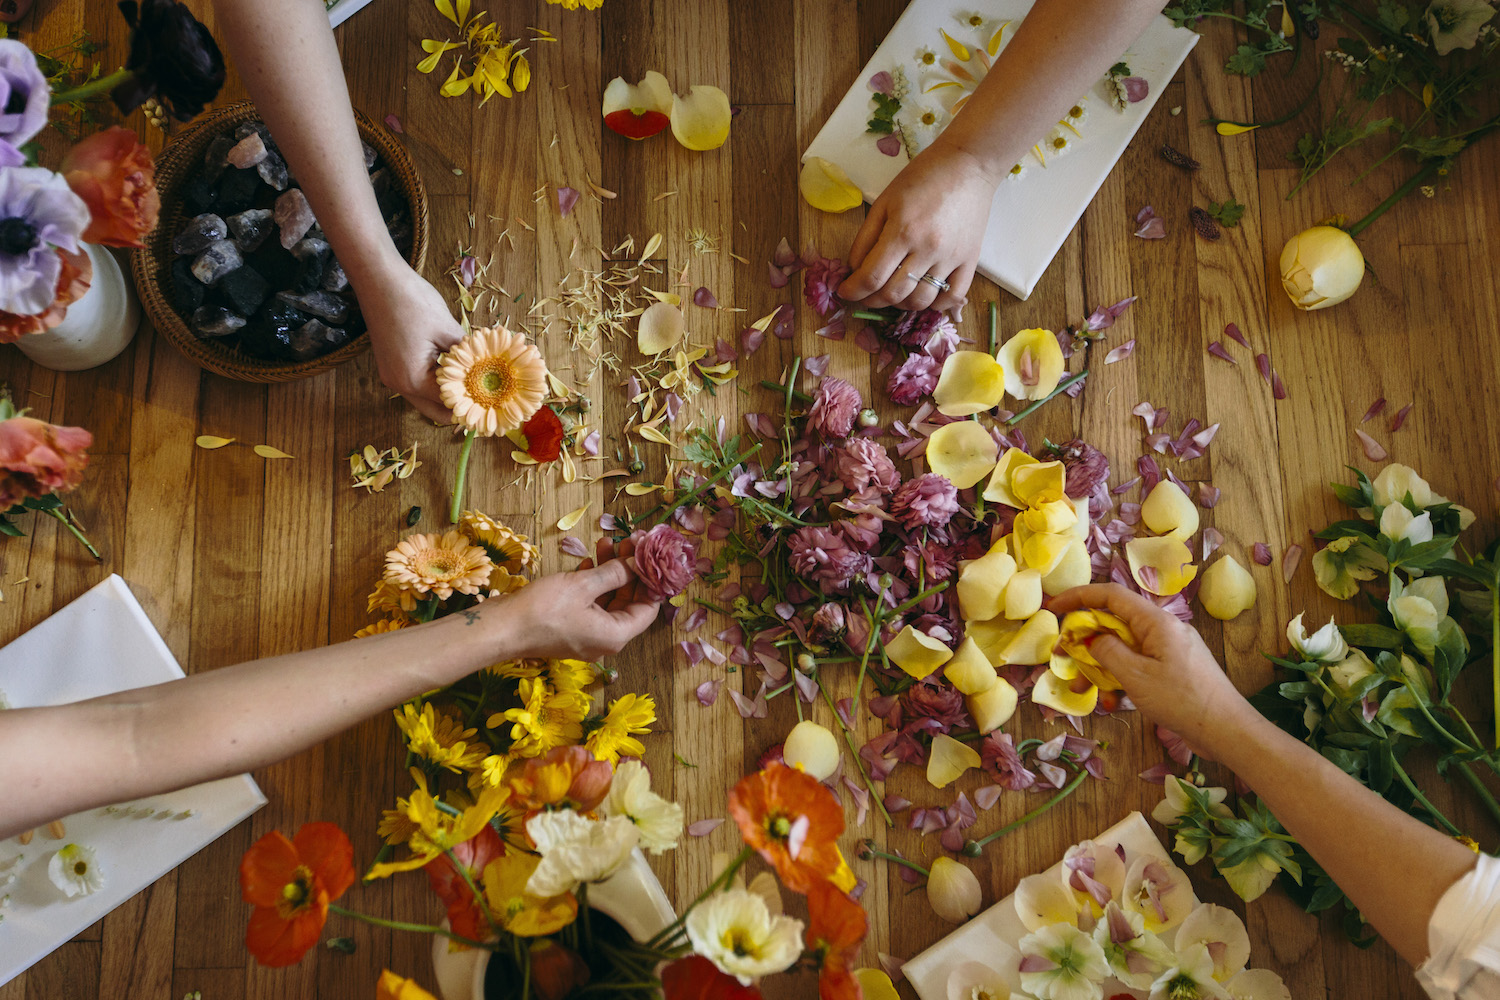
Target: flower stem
(729, 465)
(800, 397)
(1416, 793)
(670, 931)
(1061, 387)
(1495, 656)
(461, 479)
(875, 852)
(858, 763)
(67, 522)
(401, 925)
(912, 602)
(994, 325)
(1485, 797)
(93, 88)
(478, 896)
(975, 847)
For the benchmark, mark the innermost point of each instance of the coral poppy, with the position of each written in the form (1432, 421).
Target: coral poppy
(793, 821)
(544, 435)
(290, 883)
(565, 777)
(464, 912)
(836, 928)
(696, 978)
(115, 176)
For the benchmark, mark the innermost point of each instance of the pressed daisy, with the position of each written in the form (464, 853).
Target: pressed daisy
(1076, 114)
(1016, 171)
(75, 871)
(380, 627)
(928, 120)
(508, 549)
(926, 57)
(546, 719)
(493, 380)
(1060, 141)
(628, 717)
(435, 565)
(439, 738)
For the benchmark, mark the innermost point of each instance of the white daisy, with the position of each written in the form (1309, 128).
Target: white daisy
(1016, 172)
(926, 57)
(1059, 142)
(75, 871)
(1076, 114)
(975, 19)
(928, 120)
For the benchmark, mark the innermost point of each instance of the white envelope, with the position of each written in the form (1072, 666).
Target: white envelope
(101, 643)
(1032, 214)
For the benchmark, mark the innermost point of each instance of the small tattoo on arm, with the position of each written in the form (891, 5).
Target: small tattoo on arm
(471, 616)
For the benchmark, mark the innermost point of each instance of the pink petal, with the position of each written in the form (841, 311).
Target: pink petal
(1261, 553)
(1136, 88)
(704, 298)
(573, 547)
(1208, 496)
(1150, 473)
(1154, 229)
(1212, 539)
(806, 686)
(1120, 353)
(1376, 408)
(1146, 412)
(394, 124)
(890, 145)
(1205, 436)
(1125, 487)
(1289, 561)
(708, 692)
(1278, 387)
(1145, 215)
(986, 797)
(566, 198)
(1075, 389)
(1157, 773)
(1400, 417)
(1374, 450)
(892, 966)
(695, 620)
(861, 797)
(868, 340)
(704, 827)
(777, 276)
(784, 255)
(781, 326)
(1217, 350)
(591, 444)
(1263, 364)
(881, 83)
(743, 705)
(817, 366)
(1233, 333)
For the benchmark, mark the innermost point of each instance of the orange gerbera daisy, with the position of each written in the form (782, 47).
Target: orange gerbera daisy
(793, 821)
(464, 913)
(493, 380)
(836, 928)
(290, 883)
(435, 565)
(381, 627)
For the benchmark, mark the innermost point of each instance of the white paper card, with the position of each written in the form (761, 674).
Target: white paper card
(101, 643)
(342, 10)
(1033, 213)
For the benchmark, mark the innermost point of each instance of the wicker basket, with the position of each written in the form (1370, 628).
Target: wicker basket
(152, 265)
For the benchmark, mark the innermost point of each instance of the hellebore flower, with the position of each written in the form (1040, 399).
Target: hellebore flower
(172, 57)
(1343, 563)
(1455, 24)
(1061, 962)
(1326, 645)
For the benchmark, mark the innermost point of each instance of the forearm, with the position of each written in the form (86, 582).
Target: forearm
(1061, 48)
(285, 53)
(1393, 867)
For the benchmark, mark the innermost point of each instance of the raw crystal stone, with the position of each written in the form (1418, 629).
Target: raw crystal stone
(216, 321)
(198, 194)
(294, 215)
(269, 334)
(215, 157)
(324, 305)
(273, 171)
(334, 278)
(380, 180)
(315, 338)
(310, 246)
(247, 152)
(200, 231)
(247, 129)
(251, 228)
(369, 152)
(244, 289)
(217, 260)
(187, 291)
(312, 260)
(237, 190)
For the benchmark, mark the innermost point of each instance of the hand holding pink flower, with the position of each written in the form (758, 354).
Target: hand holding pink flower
(665, 561)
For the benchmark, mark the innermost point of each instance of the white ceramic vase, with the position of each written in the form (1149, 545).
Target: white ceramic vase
(632, 896)
(97, 328)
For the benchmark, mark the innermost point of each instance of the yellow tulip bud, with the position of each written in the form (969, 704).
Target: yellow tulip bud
(1321, 267)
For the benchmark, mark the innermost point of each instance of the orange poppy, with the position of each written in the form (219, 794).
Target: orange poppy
(696, 978)
(793, 821)
(290, 883)
(565, 778)
(836, 927)
(464, 914)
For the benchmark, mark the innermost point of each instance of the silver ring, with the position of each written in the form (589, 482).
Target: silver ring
(937, 283)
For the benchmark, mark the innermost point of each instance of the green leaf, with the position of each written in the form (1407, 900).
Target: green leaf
(1373, 636)
(881, 126)
(1227, 211)
(1351, 762)
(48, 502)
(1349, 496)
(1246, 61)
(8, 528)
(1382, 767)
(1346, 529)
(1475, 574)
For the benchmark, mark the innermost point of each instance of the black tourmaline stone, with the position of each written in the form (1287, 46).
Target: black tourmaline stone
(244, 290)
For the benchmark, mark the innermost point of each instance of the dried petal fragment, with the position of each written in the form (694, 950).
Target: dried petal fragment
(567, 197)
(1263, 365)
(210, 442)
(1400, 418)
(1374, 450)
(1204, 223)
(1120, 353)
(1217, 350)
(1261, 553)
(1178, 159)
(1376, 408)
(266, 451)
(1232, 331)
(1289, 561)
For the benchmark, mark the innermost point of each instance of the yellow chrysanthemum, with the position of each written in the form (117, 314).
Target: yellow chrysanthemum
(570, 675)
(575, 4)
(439, 738)
(390, 599)
(628, 717)
(546, 719)
(508, 549)
(437, 830)
(493, 380)
(382, 626)
(429, 564)
(490, 773)
(518, 669)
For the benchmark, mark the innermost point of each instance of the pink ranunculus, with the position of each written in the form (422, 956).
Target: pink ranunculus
(825, 558)
(914, 380)
(928, 500)
(828, 624)
(37, 458)
(115, 176)
(665, 561)
(1000, 757)
(835, 405)
(1087, 467)
(863, 463)
(820, 283)
(938, 701)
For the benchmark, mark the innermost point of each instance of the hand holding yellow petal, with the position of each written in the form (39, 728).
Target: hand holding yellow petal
(918, 653)
(1057, 694)
(1079, 627)
(949, 759)
(1161, 566)
(700, 119)
(1228, 589)
(971, 382)
(1169, 511)
(1033, 363)
(963, 452)
(826, 187)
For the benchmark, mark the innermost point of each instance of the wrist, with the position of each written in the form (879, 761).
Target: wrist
(967, 161)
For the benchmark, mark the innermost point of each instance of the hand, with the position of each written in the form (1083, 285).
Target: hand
(581, 615)
(930, 220)
(1173, 678)
(410, 325)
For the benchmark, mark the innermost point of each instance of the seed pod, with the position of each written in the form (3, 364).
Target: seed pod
(413, 516)
(1178, 158)
(1204, 223)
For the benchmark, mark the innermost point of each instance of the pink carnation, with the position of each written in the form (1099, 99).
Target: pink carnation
(863, 463)
(820, 283)
(665, 561)
(37, 458)
(835, 405)
(1001, 758)
(824, 557)
(914, 380)
(928, 500)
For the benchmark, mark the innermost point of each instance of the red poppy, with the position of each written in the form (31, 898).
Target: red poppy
(556, 971)
(793, 821)
(836, 927)
(696, 978)
(464, 914)
(544, 435)
(290, 883)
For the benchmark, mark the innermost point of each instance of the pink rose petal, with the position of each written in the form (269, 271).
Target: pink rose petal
(573, 547)
(1212, 539)
(1208, 496)
(708, 692)
(806, 686)
(1120, 353)
(566, 198)
(394, 124)
(1261, 553)
(1400, 418)
(704, 298)
(986, 797)
(703, 827)
(777, 277)
(1374, 450)
(1217, 350)
(1289, 561)
(1376, 408)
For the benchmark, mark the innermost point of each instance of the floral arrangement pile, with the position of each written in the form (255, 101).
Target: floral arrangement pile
(1368, 695)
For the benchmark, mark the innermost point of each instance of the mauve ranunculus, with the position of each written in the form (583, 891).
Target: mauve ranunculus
(116, 178)
(835, 405)
(665, 561)
(913, 328)
(825, 558)
(929, 499)
(935, 561)
(864, 463)
(820, 283)
(37, 458)
(1000, 757)
(74, 275)
(172, 57)
(24, 97)
(940, 702)
(914, 380)
(828, 624)
(1087, 467)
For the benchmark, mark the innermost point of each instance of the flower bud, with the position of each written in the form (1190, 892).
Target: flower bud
(953, 891)
(828, 623)
(869, 418)
(1321, 267)
(806, 662)
(811, 748)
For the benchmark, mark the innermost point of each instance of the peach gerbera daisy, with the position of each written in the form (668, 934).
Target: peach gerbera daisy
(381, 627)
(493, 380)
(435, 565)
(508, 549)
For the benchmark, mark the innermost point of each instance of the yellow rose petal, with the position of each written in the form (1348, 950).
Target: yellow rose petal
(918, 653)
(1063, 665)
(1054, 516)
(211, 442)
(1041, 551)
(571, 518)
(963, 452)
(971, 382)
(1228, 589)
(826, 187)
(1078, 627)
(1161, 566)
(1023, 595)
(970, 671)
(874, 984)
(1057, 694)
(1072, 570)
(993, 636)
(1033, 644)
(1033, 363)
(812, 749)
(661, 328)
(700, 119)
(981, 585)
(949, 759)
(266, 451)
(1040, 483)
(1169, 511)
(993, 708)
(999, 488)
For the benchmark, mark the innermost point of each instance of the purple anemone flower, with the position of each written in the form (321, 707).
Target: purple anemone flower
(39, 214)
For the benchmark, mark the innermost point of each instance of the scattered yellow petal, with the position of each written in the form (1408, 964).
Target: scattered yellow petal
(963, 452)
(970, 671)
(652, 245)
(1169, 511)
(1052, 516)
(916, 652)
(210, 442)
(1228, 589)
(1428, 93)
(998, 490)
(826, 187)
(661, 328)
(1041, 551)
(1032, 645)
(266, 451)
(700, 119)
(1161, 566)
(670, 298)
(1230, 128)
(993, 48)
(1023, 595)
(971, 382)
(981, 584)
(993, 636)
(959, 49)
(572, 517)
(949, 759)
(993, 708)
(1033, 364)
(641, 489)
(652, 434)
(521, 458)
(1057, 694)
(1072, 570)
(1039, 483)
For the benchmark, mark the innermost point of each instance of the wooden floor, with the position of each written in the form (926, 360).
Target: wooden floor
(234, 558)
